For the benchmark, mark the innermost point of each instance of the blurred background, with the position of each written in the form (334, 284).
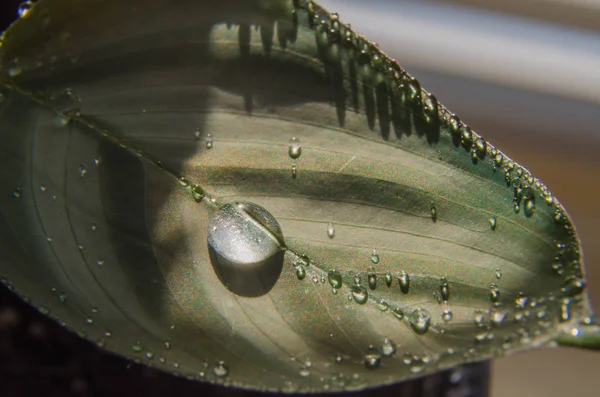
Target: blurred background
(526, 75)
(523, 73)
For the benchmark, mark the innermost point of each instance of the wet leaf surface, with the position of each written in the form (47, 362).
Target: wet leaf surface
(255, 194)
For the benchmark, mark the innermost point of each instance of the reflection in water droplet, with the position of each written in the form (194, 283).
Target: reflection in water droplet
(372, 358)
(220, 369)
(447, 315)
(388, 348)
(375, 257)
(360, 294)
(420, 319)
(372, 279)
(404, 282)
(335, 279)
(209, 141)
(493, 223)
(294, 148)
(24, 8)
(67, 104)
(330, 230)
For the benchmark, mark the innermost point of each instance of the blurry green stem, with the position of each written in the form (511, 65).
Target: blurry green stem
(584, 337)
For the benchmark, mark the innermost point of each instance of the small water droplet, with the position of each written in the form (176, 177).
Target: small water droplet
(167, 344)
(44, 310)
(493, 223)
(529, 207)
(100, 261)
(433, 212)
(404, 282)
(49, 239)
(24, 8)
(137, 347)
(478, 317)
(521, 301)
(565, 310)
(93, 227)
(43, 188)
(372, 279)
(420, 319)
(573, 286)
(197, 193)
(62, 297)
(89, 320)
(183, 182)
(335, 279)
(339, 358)
(359, 294)
(300, 272)
(209, 141)
(388, 348)
(330, 230)
(97, 161)
(375, 257)
(494, 293)
(497, 316)
(447, 315)
(17, 193)
(220, 369)
(372, 358)
(67, 104)
(149, 355)
(197, 133)
(389, 279)
(444, 289)
(294, 171)
(294, 148)
(83, 170)
(498, 273)
(398, 313)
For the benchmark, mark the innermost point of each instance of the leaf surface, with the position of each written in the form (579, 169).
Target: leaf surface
(408, 243)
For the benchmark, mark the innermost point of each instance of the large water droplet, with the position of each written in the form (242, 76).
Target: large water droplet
(246, 248)
(67, 104)
(420, 319)
(335, 279)
(404, 282)
(360, 294)
(197, 193)
(294, 148)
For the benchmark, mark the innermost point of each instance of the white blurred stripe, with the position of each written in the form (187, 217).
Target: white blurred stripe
(478, 44)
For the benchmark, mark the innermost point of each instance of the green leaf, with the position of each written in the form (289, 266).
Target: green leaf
(250, 193)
